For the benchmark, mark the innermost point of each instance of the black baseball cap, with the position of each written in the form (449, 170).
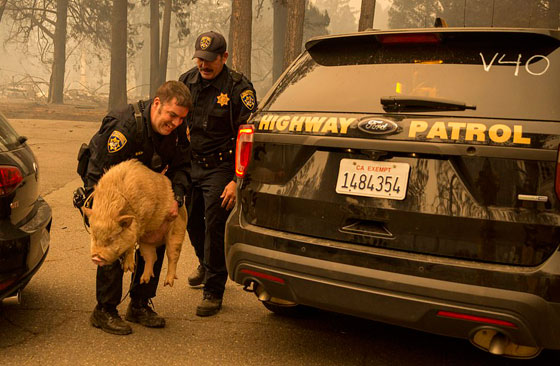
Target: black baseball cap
(209, 45)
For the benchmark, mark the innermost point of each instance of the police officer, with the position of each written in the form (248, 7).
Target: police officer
(223, 99)
(157, 137)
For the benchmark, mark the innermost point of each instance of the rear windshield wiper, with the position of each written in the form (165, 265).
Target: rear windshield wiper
(399, 103)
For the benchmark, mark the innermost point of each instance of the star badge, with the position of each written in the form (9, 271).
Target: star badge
(223, 99)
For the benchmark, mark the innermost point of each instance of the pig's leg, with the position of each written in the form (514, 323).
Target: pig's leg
(148, 252)
(128, 261)
(173, 242)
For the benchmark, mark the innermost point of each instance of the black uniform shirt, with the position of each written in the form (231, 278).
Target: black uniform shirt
(212, 125)
(116, 142)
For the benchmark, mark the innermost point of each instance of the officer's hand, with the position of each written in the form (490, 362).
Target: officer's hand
(173, 212)
(228, 195)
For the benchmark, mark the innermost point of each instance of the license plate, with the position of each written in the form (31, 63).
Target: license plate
(368, 178)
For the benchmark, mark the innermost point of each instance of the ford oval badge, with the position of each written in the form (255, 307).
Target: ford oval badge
(377, 126)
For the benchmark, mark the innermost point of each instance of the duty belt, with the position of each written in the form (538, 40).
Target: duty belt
(212, 160)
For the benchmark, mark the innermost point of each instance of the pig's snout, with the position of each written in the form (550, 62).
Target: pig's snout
(97, 260)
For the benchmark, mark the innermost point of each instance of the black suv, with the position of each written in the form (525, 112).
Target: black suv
(410, 177)
(25, 218)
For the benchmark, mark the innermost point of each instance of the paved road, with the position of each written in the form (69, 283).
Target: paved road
(51, 326)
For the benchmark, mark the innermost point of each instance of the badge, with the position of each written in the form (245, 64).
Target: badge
(205, 42)
(248, 98)
(223, 99)
(116, 142)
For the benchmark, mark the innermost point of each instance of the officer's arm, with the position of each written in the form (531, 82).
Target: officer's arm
(246, 103)
(110, 146)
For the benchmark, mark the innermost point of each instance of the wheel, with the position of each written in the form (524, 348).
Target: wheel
(292, 311)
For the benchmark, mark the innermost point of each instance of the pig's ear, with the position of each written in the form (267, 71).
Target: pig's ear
(86, 211)
(125, 221)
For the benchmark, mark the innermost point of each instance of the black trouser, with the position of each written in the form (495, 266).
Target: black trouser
(207, 222)
(109, 281)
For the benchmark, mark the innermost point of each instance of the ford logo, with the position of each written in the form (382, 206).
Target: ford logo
(377, 126)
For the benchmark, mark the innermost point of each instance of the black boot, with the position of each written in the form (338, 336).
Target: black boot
(139, 311)
(196, 278)
(210, 305)
(108, 320)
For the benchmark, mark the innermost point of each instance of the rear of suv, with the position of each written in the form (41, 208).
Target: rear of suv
(25, 217)
(410, 177)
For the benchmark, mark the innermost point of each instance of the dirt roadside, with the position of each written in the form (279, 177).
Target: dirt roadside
(22, 109)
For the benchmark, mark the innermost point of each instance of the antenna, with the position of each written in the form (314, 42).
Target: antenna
(465, 14)
(533, 7)
(493, 6)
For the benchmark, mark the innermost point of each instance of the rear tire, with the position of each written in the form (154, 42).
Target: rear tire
(297, 311)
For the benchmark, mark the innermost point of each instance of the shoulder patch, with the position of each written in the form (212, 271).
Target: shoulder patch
(248, 99)
(116, 142)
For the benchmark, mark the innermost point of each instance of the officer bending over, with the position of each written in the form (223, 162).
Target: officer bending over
(158, 139)
(223, 99)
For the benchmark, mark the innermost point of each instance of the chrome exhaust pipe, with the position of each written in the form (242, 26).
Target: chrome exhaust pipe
(13, 300)
(498, 344)
(262, 294)
(493, 341)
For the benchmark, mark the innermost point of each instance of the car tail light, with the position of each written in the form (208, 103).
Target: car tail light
(476, 319)
(243, 150)
(263, 275)
(557, 185)
(10, 178)
(430, 38)
(4, 284)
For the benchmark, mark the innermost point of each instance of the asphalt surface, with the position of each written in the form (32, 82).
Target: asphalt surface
(51, 326)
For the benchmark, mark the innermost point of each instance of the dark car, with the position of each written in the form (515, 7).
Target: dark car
(25, 218)
(410, 177)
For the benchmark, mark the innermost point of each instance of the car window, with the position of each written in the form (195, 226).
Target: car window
(8, 136)
(506, 75)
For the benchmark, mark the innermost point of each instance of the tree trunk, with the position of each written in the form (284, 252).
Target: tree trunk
(241, 27)
(553, 14)
(230, 38)
(294, 34)
(154, 47)
(117, 84)
(366, 15)
(165, 41)
(2, 7)
(56, 89)
(280, 19)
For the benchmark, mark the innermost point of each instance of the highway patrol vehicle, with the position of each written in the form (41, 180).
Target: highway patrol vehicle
(410, 177)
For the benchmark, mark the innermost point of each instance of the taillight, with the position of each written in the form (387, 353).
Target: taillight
(476, 319)
(424, 38)
(6, 283)
(10, 178)
(243, 149)
(557, 185)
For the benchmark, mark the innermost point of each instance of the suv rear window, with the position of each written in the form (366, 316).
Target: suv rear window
(506, 74)
(8, 136)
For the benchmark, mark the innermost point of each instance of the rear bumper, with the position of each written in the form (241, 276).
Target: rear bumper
(23, 249)
(322, 274)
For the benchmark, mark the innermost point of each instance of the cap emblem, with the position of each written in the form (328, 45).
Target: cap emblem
(205, 42)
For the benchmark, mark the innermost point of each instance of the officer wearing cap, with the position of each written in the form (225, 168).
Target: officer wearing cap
(154, 133)
(223, 99)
